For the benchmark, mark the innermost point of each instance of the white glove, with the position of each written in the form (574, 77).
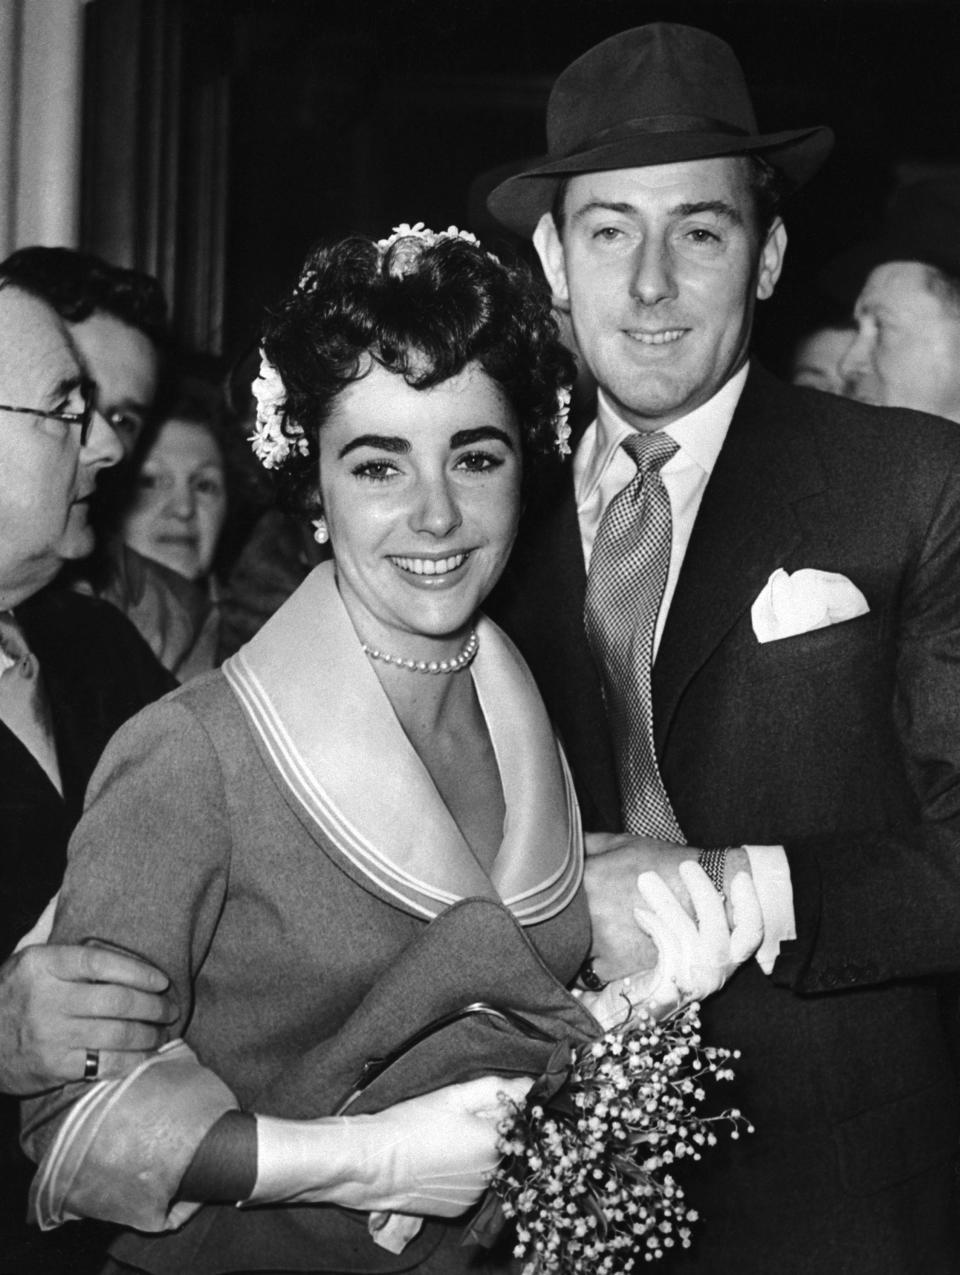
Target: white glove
(433, 1154)
(696, 957)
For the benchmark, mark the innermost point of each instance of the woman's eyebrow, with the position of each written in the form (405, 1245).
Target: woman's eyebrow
(382, 442)
(464, 437)
(400, 446)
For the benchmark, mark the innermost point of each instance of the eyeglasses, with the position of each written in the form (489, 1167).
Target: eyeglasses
(83, 418)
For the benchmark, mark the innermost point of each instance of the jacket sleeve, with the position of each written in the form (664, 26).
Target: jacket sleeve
(886, 905)
(147, 873)
(121, 1147)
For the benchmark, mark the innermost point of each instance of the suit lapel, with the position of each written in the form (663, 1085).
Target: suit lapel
(749, 523)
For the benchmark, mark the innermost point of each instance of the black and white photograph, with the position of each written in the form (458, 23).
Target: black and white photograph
(479, 637)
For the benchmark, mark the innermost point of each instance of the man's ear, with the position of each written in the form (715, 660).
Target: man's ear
(549, 248)
(771, 260)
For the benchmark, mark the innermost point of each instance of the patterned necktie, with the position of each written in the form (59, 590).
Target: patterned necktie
(628, 573)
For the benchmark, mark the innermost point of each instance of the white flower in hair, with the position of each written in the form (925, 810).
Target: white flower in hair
(271, 443)
(308, 279)
(562, 420)
(425, 235)
(413, 239)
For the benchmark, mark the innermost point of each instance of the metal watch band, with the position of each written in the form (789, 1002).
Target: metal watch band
(713, 863)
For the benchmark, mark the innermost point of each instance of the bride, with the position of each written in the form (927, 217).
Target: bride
(359, 840)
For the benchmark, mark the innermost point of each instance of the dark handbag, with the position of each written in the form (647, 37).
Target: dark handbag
(420, 1027)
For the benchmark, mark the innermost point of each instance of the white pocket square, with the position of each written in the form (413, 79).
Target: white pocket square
(806, 600)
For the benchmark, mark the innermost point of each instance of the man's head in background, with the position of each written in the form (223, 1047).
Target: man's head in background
(117, 319)
(53, 446)
(906, 285)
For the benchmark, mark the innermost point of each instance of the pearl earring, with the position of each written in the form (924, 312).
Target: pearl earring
(320, 532)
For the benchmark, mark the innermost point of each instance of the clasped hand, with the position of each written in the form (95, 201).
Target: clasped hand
(57, 1002)
(675, 951)
(696, 955)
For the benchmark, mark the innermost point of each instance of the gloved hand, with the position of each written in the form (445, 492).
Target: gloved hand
(433, 1154)
(696, 957)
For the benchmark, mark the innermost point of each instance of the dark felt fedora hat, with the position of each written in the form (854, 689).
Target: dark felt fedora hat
(656, 94)
(922, 223)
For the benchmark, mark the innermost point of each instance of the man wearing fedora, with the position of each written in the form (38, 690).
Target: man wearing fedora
(905, 290)
(740, 602)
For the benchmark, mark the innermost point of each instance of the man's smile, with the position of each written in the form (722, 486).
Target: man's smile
(664, 336)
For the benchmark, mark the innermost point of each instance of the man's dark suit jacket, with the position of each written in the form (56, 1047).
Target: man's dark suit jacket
(97, 671)
(843, 745)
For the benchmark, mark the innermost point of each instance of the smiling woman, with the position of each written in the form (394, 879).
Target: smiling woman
(374, 826)
(375, 754)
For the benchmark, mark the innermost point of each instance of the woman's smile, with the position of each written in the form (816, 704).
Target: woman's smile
(433, 568)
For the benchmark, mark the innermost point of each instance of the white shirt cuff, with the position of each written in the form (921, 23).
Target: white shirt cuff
(771, 879)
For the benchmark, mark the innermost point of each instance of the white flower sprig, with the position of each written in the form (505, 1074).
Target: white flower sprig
(271, 442)
(585, 1174)
(562, 420)
(406, 243)
(426, 236)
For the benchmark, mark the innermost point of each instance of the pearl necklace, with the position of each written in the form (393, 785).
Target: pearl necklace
(459, 661)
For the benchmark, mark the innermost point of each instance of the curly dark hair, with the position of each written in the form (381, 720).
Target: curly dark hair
(421, 310)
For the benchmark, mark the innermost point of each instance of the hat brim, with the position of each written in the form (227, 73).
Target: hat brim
(521, 201)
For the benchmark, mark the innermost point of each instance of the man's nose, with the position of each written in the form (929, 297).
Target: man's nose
(436, 510)
(653, 272)
(102, 448)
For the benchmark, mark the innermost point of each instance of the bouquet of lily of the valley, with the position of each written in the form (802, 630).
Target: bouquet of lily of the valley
(586, 1171)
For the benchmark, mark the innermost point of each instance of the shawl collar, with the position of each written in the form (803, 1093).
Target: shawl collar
(350, 773)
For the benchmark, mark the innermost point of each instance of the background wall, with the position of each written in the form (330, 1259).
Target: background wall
(222, 138)
(41, 70)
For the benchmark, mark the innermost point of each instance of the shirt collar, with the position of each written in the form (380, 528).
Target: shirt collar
(699, 434)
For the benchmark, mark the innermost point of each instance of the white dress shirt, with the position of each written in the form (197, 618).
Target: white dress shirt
(601, 469)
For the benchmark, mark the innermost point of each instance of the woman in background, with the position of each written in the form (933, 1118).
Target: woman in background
(179, 504)
(176, 515)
